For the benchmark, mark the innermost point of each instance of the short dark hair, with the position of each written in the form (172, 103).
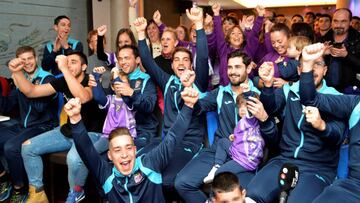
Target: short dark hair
(225, 182)
(82, 56)
(280, 15)
(182, 49)
(238, 53)
(134, 49)
(325, 15)
(281, 27)
(241, 98)
(25, 49)
(231, 19)
(57, 19)
(312, 14)
(129, 33)
(303, 29)
(298, 15)
(355, 17)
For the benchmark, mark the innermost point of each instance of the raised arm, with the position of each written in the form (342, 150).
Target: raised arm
(83, 144)
(132, 16)
(100, 46)
(25, 86)
(155, 72)
(160, 156)
(202, 52)
(253, 36)
(95, 84)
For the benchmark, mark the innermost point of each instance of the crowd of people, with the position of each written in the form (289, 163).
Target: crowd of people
(226, 102)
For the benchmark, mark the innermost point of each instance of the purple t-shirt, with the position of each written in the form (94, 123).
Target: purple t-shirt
(247, 147)
(118, 115)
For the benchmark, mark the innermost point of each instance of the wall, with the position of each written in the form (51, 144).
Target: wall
(169, 10)
(30, 23)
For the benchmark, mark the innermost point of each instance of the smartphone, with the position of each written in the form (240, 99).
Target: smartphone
(337, 45)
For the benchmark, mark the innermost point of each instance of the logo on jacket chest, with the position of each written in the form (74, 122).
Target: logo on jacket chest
(138, 177)
(137, 85)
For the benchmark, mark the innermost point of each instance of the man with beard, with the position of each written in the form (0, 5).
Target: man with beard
(343, 56)
(172, 85)
(62, 45)
(309, 140)
(189, 181)
(74, 83)
(346, 107)
(37, 115)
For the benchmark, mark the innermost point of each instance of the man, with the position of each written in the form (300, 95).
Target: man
(36, 116)
(344, 55)
(310, 140)
(297, 18)
(139, 178)
(226, 188)
(62, 45)
(343, 107)
(172, 85)
(355, 23)
(74, 83)
(310, 18)
(324, 26)
(222, 100)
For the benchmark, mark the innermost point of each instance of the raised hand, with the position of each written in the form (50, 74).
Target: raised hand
(266, 73)
(57, 44)
(16, 65)
(190, 96)
(157, 17)
(62, 62)
(216, 9)
(260, 10)
(63, 39)
(92, 81)
(309, 54)
(101, 30)
(187, 78)
(313, 117)
(208, 20)
(245, 87)
(268, 25)
(72, 109)
(123, 88)
(195, 15)
(256, 108)
(100, 70)
(140, 24)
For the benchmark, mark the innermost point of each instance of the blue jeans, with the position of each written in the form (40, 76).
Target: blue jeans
(78, 172)
(48, 142)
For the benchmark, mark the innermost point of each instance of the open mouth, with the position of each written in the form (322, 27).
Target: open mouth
(125, 164)
(181, 70)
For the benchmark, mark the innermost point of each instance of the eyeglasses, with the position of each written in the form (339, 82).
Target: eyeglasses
(319, 63)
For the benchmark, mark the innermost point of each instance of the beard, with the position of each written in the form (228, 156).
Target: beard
(339, 31)
(238, 82)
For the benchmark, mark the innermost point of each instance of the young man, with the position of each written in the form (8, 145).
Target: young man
(74, 83)
(309, 140)
(222, 100)
(131, 179)
(37, 115)
(62, 45)
(172, 85)
(226, 188)
(343, 107)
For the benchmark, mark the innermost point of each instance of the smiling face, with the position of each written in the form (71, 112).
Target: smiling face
(63, 28)
(324, 23)
(237, 71)
(29, 62)
(122, 153)
(236, 37)
(153, 33)
(279, 41)
(127, 60)
(341, 22)
(181, 33)
(124, 39)
(74, 65)
(181, 62)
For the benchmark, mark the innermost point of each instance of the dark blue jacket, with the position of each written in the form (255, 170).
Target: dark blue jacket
(33, 111)
(288, 70)
(48, 61)
(223, 101)
(299, 140)
(172, 87)
(342, 107)
(143, 102)
(144, 184)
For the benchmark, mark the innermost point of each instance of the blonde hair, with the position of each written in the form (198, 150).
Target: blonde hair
(299, 42)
